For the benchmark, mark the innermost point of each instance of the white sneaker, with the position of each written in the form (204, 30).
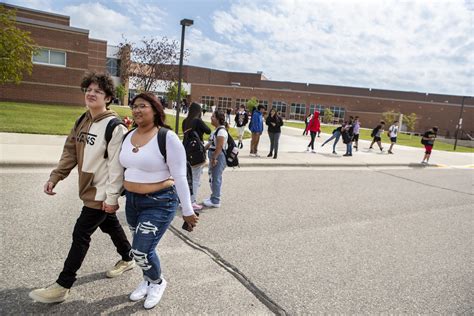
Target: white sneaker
(208, 203)
(313, 151)
(140, 291)
(253, 155)
(154, 294)
(307, 149)
(257, 155)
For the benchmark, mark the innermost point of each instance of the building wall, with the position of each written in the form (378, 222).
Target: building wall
(97, 55)
(368, 108)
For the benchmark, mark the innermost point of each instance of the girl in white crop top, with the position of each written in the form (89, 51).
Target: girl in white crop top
(154, 188)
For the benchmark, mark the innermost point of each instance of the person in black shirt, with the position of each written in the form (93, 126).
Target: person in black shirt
(274, 123)
(428, 140)
(194, 123)
(241, 120)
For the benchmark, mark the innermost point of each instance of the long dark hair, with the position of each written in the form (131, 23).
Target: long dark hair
(194, 113)
(160, 116)
(220, 116)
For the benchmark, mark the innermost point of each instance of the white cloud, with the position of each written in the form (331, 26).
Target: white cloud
(416, 45)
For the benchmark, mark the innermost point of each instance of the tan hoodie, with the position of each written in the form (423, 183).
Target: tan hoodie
(99, 179)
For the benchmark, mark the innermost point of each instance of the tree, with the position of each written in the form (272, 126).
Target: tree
(328, 116)
(120, 92)
(172, 92)
(410, 121)
(16, 49)
(252, 103)
(149, 62)
(390, 117)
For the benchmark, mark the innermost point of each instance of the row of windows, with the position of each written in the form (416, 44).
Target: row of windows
(50, 57)
(113, 66)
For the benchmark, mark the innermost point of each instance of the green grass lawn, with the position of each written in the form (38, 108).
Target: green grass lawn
(58, 119)
(402, 139)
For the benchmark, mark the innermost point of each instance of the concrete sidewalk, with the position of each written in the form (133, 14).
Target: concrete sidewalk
(45, 150)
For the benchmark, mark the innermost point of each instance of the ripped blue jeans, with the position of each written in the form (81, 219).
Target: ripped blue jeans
(149, 216)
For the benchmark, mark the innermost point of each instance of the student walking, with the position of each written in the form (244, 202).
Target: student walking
(428, 140)
(227, 116)
(347, 134)
(306, 122)
(392, 134)
(100, 184)
(274, 123)
(216, 146)
(194, 125)
(336, 134)
(355, 138)
(155, 184)
(377, 135)
(241, 120)
(256, 127)
(313, 127)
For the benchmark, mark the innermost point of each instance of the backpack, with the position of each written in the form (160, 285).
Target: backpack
(195, 151)
(232, 152)
(111, 125)
(374, 131)
(161, 138)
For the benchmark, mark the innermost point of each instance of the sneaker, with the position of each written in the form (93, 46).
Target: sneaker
(345, 155)
(54, 293)
(154, 294)
(197, 207)
(208, 203)
(381, 149)
(269, 155)
(370, 148)
(139, 292)
(390, 152)
(120, 267)
(253, 155)
(313, 151)
(307, 149)
(335, 153)
(275, 157)
(257, 155)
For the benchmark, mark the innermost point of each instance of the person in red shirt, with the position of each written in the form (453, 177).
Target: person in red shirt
(313, 127)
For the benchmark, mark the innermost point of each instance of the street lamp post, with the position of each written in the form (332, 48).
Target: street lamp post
(459, 126)
(184, 23)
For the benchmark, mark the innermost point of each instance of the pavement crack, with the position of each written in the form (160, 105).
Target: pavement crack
(422, 183)
(234, 271)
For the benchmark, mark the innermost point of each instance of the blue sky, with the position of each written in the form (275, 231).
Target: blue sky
(424, 46)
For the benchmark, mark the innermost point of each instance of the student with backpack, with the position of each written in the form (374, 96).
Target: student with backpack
(216, 146)
(392, 134)
(377, 135)
(428, 140)
(155, 181)
(274, 122)
(347, 134)
(100, 183)
(336, 134)
(194, 129)
(241, 120)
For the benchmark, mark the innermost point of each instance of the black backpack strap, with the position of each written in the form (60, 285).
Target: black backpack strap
(161, 137)
(79, 120)
(111, 125)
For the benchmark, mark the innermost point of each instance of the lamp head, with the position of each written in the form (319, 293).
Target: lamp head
(186, 22)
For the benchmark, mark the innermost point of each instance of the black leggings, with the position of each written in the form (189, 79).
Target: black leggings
(313, 137)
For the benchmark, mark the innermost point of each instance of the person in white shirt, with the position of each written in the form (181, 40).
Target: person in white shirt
(216, 146)
(153, 185)
(392, 134)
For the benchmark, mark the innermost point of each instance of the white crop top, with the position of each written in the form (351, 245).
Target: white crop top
(148, 165)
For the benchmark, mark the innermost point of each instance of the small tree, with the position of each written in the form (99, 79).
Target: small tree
(253, 102)
(16, 49)
(390, 117)
(410, 121)
(172, 92)
(120, 93)
(149, 62)
(328, 116)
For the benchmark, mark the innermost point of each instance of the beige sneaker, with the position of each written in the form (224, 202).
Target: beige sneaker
(54, 293)
(119, 268)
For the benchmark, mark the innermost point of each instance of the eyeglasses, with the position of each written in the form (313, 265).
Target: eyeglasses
(140, 106)
(95, 91)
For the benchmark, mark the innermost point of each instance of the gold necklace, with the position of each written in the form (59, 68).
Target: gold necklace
(136, 147)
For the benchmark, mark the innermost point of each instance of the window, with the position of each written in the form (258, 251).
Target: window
(238, 102)
(264, 103)
(207, 102)
(298, 111)
(50, 57)
(224, 103)
(280, 106)
(316, 107)
(338, 112)
(113, 66)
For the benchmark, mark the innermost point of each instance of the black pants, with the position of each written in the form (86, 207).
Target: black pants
(313, 136)
(85, 226)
